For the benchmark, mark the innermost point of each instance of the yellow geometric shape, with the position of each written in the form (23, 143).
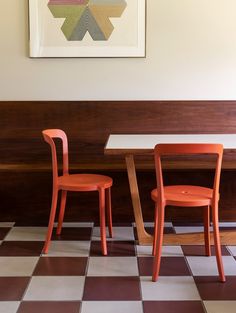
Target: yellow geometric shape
(71, 13)
(102, 14)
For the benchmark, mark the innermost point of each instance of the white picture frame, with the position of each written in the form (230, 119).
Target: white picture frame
(53, 36)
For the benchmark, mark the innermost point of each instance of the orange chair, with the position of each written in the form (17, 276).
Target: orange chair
(187, 196)
(75, 182)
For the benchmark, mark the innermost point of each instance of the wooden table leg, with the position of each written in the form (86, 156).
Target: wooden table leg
(143, 237)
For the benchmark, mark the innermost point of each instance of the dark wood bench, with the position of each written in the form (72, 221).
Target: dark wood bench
(25, 158)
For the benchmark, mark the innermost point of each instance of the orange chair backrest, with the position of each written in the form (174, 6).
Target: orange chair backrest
(49, 135)
(187, 149)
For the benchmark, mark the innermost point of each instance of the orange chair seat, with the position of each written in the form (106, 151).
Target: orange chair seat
(185, 195)
(84, 182)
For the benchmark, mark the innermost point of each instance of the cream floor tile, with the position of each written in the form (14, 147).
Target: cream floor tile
(112, 306)
(113, 266)
(227, 224)
(147, 224)
(27, 233)
(220, 306)
(189, 229)
(169, 288)
(119, 233)
(17, 266)
(206, 266)
(9, 306)
(166, 251)
(55, 288)
(7, 224)
(69, 248)
(232, 250)
(144, 250)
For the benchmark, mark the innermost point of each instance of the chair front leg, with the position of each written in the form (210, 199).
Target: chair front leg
(108, 211)
(102, 221)
(207, 237)
(215, 221)
(62, 211)
(159, 241)
(51, 220)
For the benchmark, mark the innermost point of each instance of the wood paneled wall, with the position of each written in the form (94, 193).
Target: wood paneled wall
(25, 161)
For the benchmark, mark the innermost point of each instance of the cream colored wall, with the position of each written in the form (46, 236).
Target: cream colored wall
(191, 54)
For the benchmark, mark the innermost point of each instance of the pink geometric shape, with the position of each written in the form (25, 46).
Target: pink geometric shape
(66, 2)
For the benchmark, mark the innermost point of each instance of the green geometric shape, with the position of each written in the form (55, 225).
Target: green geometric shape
(71, 13)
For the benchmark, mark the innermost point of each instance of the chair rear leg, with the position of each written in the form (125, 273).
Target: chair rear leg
(159, 241)
(109, 211)
(207, 237)
(51, 221)
(155, 230)
(215, 221)
(102, 221)
(62, 211)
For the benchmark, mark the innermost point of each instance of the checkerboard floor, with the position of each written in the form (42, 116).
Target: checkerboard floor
(74, 277)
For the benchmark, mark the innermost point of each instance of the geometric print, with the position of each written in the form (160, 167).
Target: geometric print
(82, 16)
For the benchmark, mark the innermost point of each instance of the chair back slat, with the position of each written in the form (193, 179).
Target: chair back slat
(188, 149)
(49, 136)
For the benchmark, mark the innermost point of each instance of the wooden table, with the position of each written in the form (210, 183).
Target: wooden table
(131, 145)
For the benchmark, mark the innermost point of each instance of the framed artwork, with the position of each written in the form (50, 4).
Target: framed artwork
(87, 28)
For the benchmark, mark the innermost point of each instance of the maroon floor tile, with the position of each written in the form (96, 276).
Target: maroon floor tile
(199, 250)
(73, 233)
(210, 288)
(115, 248)
(122, 224)
(117, 224)
(169, 230)
(187, 224)
(170, 266)
(3, 232)
(13, 288)
(64, 266)
(21, 248)
(230, 228)
(173, 307)
(112, 288)
(150, 230)
(49, 307)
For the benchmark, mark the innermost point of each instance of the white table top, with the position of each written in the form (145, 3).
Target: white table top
(126, 143)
